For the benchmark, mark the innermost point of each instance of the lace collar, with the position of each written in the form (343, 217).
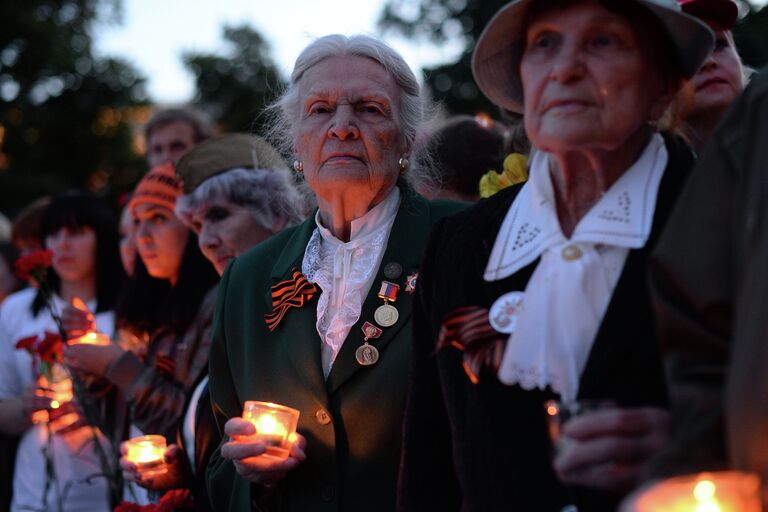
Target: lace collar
(344, 271)
(623, 217)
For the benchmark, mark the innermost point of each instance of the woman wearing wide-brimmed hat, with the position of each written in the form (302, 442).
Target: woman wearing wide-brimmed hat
(539, 293)
(720, 79)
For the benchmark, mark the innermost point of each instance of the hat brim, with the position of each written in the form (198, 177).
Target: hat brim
(496, 58)
(718, 14)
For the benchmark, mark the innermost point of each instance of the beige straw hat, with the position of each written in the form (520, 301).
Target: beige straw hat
(496, 59)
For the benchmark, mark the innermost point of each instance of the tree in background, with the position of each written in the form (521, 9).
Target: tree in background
(235, 87)
(443, 20)
(64, 114)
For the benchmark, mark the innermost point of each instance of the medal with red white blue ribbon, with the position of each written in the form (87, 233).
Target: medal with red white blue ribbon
(386, 315)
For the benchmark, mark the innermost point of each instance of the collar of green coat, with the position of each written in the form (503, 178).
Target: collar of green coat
(405, 246)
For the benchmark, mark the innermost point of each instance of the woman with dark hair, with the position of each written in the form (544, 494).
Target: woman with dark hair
(9, 282)
(80, 230)
(153, 388)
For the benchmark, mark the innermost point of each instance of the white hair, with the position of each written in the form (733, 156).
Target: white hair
(268, 194)
(415, 110)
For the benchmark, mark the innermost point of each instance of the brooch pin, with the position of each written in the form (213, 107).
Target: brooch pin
(504, 311)
(366, 354)
(386, 315)
(410, 282)
(292, 293)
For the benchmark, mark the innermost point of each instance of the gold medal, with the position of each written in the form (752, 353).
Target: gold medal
(366, 354)
(386, 315)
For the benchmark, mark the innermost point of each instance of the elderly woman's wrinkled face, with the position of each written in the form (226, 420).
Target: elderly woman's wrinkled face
(348, 134)
(720, 78)
(226, 230)
(587, 84)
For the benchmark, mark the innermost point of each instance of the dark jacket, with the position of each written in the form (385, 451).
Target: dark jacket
(710, 275)
(352, 420)
(484, 447)
(157, 388)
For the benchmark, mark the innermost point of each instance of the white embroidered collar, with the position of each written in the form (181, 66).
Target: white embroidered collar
(622, 217)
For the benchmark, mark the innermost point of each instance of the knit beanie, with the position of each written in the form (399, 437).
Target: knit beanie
(160, 186)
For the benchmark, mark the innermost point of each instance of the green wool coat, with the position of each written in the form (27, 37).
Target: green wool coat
(352, 421)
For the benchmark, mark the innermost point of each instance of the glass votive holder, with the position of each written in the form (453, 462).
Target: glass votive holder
(274, 424)
(147, 453)
(91, 338)
(719, 491)
(559, 412)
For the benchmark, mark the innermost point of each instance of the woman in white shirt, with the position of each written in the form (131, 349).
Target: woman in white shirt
(81, 231)
(553, 303)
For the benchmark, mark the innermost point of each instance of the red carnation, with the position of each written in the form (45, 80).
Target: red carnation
(127, 506)
(34, 265)
(29, 344)
(51, 348)
(176, 500)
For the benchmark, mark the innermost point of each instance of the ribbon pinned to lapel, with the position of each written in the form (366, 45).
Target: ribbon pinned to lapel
(292, 293)
(468, 330)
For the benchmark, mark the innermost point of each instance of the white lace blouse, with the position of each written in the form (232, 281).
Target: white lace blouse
(345, 271)
(568, 293)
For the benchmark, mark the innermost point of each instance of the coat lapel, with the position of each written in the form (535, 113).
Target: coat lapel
(405, 246)
(297, 332)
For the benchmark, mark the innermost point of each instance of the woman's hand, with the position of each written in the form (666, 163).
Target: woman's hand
(33, 401)
(171, 479)
(246, 453)
(93, 359)
(606, 449)
(76, 319)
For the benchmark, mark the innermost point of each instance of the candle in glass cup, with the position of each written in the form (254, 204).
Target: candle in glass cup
(274, 425)
(723, 491)
(91, 338)
(558, 413)
(147, 453)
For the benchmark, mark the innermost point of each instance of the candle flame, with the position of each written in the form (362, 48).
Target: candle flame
(267, 424)
(552, 410)
(146, 452)
(704, 492)
(55, 404)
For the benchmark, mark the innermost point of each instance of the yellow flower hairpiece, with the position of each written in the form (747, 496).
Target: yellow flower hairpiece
(515, 171)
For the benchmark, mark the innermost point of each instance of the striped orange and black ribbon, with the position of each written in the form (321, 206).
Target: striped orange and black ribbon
(468, 329)
(292, 293)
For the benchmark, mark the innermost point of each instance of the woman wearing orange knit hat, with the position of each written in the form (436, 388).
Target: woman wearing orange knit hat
(155, 387)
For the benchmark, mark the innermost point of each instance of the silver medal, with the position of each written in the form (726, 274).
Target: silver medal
(386, 315)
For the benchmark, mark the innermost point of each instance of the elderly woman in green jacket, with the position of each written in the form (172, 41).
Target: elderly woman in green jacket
(337, 345)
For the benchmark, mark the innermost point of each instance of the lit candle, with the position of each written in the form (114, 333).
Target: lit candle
(60, 393)
(91, 338)
(274, 425)
(147, 453)
(726, 491)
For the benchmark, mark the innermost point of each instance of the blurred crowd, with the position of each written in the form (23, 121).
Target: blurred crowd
(543, 308)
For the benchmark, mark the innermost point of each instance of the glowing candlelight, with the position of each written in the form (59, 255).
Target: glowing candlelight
(91, 338)
(147, 453)
(274, 424)
(726, 491)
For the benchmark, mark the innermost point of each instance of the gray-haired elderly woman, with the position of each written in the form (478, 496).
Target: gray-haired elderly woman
(317, 318)
(238, 191)
(553, 303)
